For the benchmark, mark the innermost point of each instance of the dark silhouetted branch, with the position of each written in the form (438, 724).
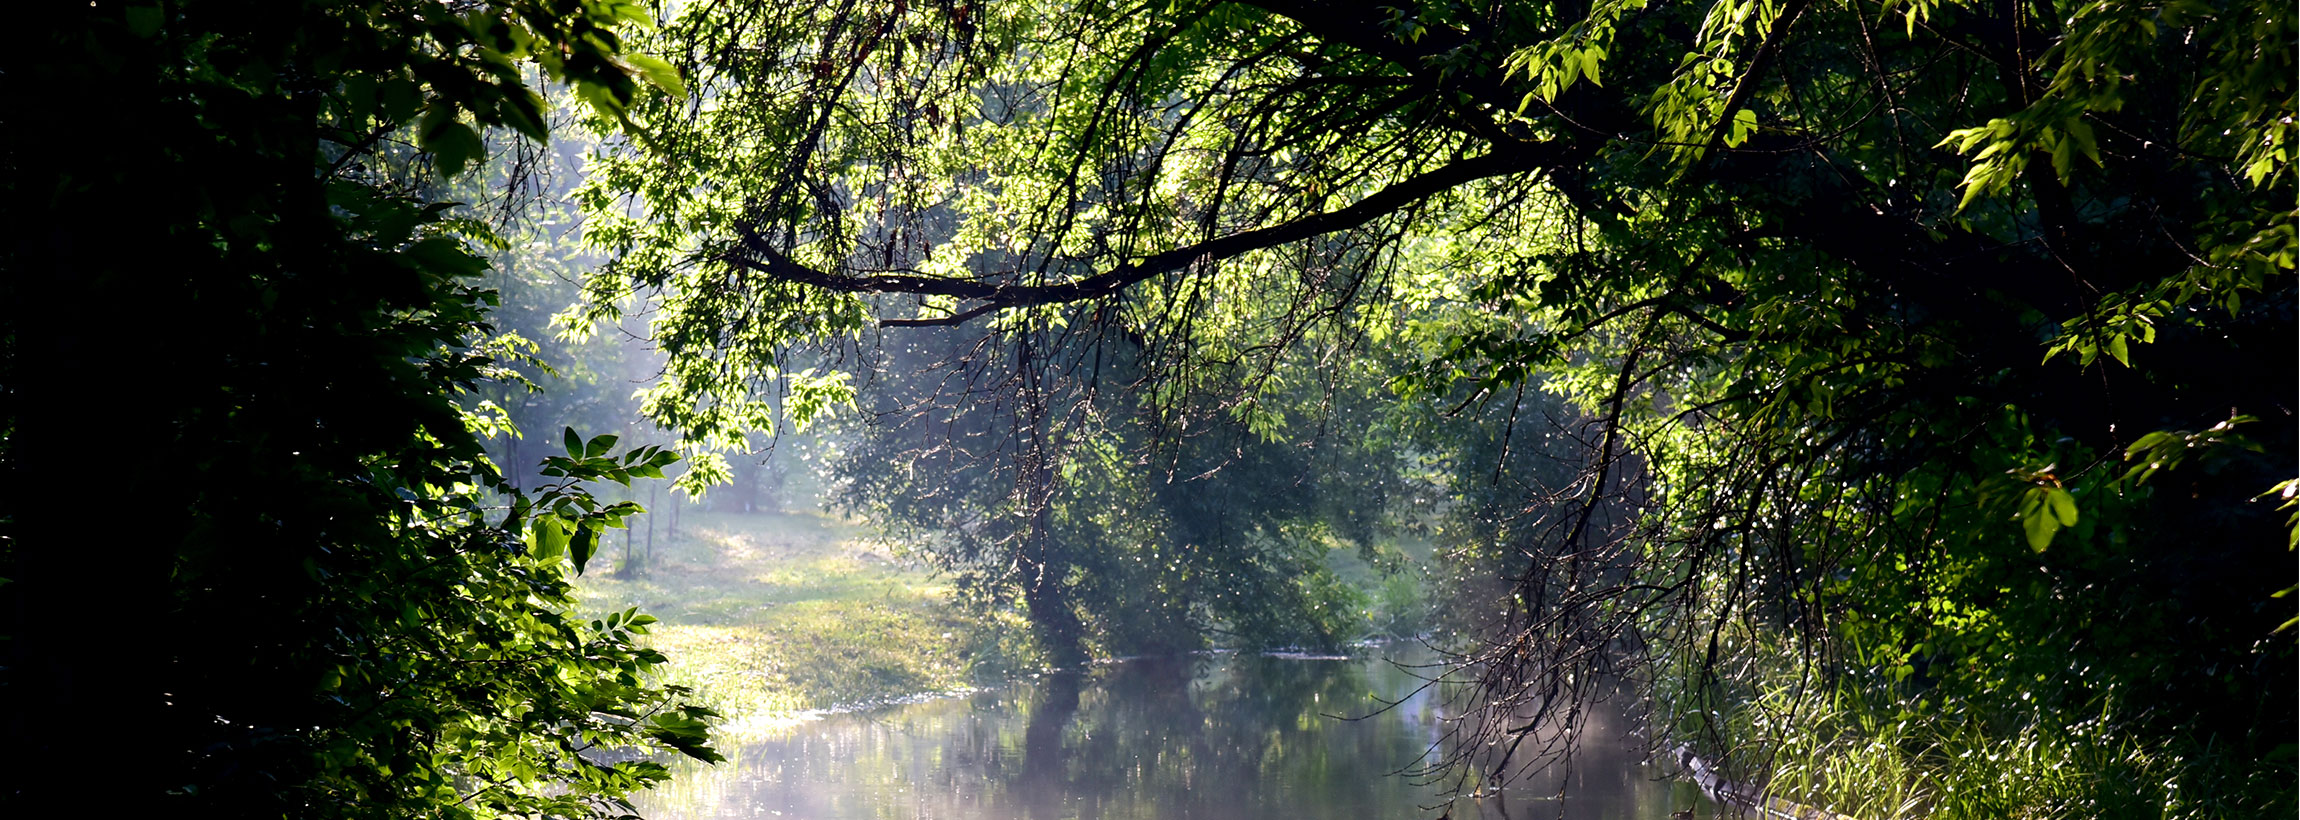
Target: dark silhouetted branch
(757, 255)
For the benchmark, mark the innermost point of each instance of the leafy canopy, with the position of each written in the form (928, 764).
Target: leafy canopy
(1861, 304)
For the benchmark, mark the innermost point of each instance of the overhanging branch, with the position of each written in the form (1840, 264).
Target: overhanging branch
(959, 318)
(756, 254)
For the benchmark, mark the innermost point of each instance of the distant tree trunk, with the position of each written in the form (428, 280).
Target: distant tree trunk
(744, 495)
(1052, 620)
(772, 481)
(1044, 566)
(510, 465)
(628, 570)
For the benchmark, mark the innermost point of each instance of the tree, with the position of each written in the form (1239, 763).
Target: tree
(1869, 306)
(1110, 538)
(257, 560)
(548, 378)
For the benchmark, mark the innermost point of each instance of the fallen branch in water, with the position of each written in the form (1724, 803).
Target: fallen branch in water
(1745, 797)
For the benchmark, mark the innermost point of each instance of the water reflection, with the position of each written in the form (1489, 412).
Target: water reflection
(1207, 737)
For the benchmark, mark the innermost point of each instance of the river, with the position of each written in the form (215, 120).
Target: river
(1224, 736)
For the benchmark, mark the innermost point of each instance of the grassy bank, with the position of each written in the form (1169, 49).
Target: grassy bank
(766, 614)
(772, 613)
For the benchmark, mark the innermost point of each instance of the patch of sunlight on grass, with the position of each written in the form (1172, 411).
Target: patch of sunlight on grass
(766, 615)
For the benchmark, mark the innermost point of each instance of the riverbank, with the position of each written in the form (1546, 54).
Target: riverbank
(770, 615)
(766, 615)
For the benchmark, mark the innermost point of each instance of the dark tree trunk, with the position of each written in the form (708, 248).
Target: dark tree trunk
(1053, 621)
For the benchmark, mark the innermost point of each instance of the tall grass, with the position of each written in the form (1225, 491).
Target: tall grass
(1915, 756)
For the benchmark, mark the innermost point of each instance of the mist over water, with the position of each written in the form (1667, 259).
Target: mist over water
(1205, 737)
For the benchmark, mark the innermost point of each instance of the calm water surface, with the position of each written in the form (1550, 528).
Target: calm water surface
(1213, 737)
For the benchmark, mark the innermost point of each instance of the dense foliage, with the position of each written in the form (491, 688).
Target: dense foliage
(1897, 393)
(257, 561)
(1933, 360)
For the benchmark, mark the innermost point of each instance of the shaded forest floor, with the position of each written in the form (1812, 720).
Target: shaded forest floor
(767, 614)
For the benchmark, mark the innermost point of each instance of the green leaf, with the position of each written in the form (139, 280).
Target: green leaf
(583, 545)
(1744, 124)
(657, 73)
(451, 143)
(522, 109)
(400, 97)
(2040, 529)
(2080, 133)
(599, 446)
(2063, 506)
(445, 256)
(550, 537)
(685, 732)
(601, 97)
(2040, 515)
(573, 442)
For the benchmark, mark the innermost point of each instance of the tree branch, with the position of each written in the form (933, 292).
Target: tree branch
(1746, 86)
(756, 254)
(953, 320)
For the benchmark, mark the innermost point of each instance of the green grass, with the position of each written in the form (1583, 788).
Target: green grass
(768, 614)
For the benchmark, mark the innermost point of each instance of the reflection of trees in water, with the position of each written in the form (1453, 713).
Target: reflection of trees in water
(1043, 783)
(1204, 737)
(1585, 762)
(1192, 738)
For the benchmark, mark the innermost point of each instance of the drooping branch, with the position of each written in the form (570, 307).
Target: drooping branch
(953, 320)
(758, 255)
(1746, 87)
